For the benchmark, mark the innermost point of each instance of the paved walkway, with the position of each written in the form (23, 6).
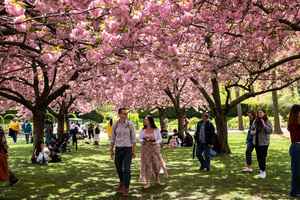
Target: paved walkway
(284, 130)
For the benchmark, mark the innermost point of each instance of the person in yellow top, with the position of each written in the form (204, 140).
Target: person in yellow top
(14, 129)
(109, 129)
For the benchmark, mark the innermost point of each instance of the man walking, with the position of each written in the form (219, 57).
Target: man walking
(27, 130)
(123, 147)
(204, 139)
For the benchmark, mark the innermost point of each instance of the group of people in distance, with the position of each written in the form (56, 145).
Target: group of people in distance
(15, 129)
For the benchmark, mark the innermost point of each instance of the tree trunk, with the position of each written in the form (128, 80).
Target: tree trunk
(298, 87)
(67, 123)
(60, 125)
(277, 127)
(180, 121)
(221, 121)
(162, 117)
(39, 117)
(222, 132)
(239, 110)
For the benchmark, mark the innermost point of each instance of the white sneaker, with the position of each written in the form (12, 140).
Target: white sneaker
(262, 174)
(161, 171)
(247, 169)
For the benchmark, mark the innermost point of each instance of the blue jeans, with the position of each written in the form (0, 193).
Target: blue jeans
(123, 159)
(295, 168)
(203, 155)
(14, 136)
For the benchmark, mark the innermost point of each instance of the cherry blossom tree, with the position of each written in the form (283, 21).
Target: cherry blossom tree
(223, 44)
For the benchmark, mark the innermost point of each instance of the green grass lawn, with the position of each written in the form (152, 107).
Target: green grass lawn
(90, 174)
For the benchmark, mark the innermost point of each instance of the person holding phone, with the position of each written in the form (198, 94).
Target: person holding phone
(261, 130)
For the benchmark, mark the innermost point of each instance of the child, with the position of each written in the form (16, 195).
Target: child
(173, 142)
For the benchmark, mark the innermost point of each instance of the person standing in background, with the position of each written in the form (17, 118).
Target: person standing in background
(261, 130)
(109, 128)
(97, 135)
(27, 130)
(73, 133)
(14, 129)
(294, 129)
(91, 132)
(249, 143)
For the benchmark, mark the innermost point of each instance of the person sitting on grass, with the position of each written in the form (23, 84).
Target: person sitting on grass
(173, 141)
(43, 157)
(5, 173)
(54, 152)
(40, 155)
(188, 140)
(175, 133)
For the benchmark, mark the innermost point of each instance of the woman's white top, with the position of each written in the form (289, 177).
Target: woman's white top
(157, 136)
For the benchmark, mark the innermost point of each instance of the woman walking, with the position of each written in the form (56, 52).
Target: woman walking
(5, 173)
(249, 143)
(151, 159)
(261, 130)
(294, 129)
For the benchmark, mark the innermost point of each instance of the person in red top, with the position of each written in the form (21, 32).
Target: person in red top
(294, 129)
(5, 173)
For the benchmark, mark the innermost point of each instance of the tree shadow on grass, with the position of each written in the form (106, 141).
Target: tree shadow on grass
(90, 174)
(226, 181)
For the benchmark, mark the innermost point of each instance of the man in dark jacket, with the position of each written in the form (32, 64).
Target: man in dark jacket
(204, 139)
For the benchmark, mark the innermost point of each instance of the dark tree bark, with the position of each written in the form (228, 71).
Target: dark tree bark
(175, 97)
(221, 120)
(162, 117)
(239, 110)
(39, 117)
(277, 127)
